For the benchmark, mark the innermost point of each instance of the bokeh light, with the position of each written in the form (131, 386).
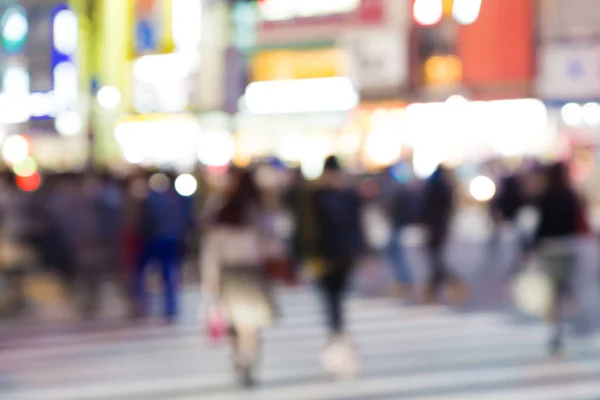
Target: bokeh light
(15, 28)
(65, 30)
(312, 166)
(186, 185)
(216, 149)
(571, 114)
(15, 149)
(466, 12)
(109, 97)
(29, 183)
(428, 12)
(25, 168)
(68, 123)
(591, 113)
(482, 188)
(159, 183)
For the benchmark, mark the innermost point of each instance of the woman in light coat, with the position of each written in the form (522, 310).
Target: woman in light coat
(233, 272)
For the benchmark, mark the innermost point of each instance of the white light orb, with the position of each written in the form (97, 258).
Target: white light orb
(591, 113)
(428, 12)
(68, 123)
(466, 12)
(16, 80)
(572, 114)
(26, 168)
(133, 155)
(312, 167)
(15, 149)
(65, 29)
(15, 26)
(383, 148)
(482, 188)
(216, 149)
(109, 97)
(186, 185)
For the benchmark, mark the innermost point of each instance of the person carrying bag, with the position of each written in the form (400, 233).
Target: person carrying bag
(562, 219)
(234, 274)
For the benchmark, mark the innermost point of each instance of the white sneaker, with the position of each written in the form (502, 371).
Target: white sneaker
(341, 359)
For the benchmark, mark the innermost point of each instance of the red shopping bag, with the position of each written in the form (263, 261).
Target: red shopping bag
(216, 323)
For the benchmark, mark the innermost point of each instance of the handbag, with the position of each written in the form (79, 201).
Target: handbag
(216, 322)
(532, 290)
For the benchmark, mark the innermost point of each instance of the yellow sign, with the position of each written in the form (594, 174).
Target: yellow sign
(290, 64)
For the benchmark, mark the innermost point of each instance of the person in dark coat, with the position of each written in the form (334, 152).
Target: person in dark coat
(504, 207)
(166, 222)
(339, 244)
(400, 204)
(436, 214)
(561, 215)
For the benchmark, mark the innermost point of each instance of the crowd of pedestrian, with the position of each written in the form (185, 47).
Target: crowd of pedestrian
(93, 228)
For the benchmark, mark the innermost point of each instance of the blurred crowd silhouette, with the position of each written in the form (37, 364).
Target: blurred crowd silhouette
(248, 228)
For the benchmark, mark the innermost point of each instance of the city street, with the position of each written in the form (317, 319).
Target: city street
(485, 350)
(411, 352)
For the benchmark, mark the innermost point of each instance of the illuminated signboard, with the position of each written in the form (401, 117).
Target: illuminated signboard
(281, 10)
(281, 65)
(147, 25)
(154, 30)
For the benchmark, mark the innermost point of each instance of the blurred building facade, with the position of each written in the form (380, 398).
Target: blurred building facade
(473, 73)
(177, 82)
(568, 80)
(40, 88)
(309, 66)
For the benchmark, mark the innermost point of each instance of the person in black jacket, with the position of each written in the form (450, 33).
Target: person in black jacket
(340, 238)
(339, 243)
(436, 214)
(558, 206)
(504, 207)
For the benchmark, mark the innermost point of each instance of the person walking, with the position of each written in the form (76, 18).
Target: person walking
(340, 242)
(166, 221)
(561, 217)
(436, 214)
(233, 270)
(505, 207)
(399, 203)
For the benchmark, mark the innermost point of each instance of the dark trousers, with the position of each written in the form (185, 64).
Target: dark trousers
(334, 285)
(167, 253)
(439, 271)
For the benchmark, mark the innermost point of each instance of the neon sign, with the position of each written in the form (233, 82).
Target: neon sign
(431, 12)
(281, 10)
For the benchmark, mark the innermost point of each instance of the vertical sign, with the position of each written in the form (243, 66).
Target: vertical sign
(153, 26)
(147, 25)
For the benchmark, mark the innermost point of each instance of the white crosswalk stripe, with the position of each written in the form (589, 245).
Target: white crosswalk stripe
(407, 352)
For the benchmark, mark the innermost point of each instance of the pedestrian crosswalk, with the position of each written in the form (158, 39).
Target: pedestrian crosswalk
(407, 352)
